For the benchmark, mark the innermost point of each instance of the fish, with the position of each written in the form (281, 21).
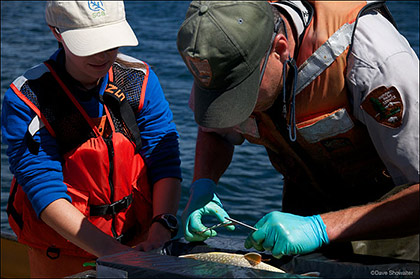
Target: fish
(249, 260)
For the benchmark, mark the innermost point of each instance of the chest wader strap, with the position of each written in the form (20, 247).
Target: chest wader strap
(115, 98)
(111, 209)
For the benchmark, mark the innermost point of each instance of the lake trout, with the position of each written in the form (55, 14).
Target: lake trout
(250, 260)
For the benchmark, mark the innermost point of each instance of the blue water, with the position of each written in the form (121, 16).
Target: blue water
(249, 189)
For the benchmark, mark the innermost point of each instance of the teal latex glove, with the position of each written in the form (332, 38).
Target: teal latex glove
(203, 201)
(288, 234)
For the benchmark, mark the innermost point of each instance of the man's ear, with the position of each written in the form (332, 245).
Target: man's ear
(56, 34)
(281, 47)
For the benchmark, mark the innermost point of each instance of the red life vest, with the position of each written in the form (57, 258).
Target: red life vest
(333, 163)
(105, 176)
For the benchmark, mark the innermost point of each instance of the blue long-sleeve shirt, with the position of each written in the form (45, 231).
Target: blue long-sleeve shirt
(41, 175)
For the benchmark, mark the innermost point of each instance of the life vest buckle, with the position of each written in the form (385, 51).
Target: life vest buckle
(111, 209)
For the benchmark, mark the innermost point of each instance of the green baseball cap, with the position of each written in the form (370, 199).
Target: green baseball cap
(222, 43)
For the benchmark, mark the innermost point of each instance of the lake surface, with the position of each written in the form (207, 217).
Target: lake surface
(251, 187)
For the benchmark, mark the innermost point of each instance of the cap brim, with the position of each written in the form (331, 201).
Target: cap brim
(228, 108)
(85, 42)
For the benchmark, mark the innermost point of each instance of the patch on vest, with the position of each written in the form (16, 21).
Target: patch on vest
(385, 106)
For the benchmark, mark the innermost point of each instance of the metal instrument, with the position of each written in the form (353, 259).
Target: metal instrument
(230, 221)
(236, 222)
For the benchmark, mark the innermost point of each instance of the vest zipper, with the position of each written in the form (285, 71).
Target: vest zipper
(108, 142)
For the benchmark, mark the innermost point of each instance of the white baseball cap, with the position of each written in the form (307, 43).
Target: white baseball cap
(90, 27)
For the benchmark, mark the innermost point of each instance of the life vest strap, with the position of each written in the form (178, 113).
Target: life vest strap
(115, 98)
(324, 56)
(111, 209)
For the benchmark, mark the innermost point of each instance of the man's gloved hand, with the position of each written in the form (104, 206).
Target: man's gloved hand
(288, 234)
(203, 201)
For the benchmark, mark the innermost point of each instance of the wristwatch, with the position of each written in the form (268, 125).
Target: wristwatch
(169, 221)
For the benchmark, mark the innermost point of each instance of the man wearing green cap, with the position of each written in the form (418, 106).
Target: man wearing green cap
(330, 101)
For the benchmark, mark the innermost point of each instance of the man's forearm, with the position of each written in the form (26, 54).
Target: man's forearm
(166, 196)
(396, 216)
(213, 155)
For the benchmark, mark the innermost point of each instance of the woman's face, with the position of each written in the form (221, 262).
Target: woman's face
(89, 69)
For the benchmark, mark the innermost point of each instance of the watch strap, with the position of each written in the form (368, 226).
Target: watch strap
(158, 218)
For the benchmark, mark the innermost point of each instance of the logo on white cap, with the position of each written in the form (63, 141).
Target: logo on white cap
(97, 7)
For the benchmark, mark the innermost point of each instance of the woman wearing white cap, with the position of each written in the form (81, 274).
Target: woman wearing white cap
(91, 144)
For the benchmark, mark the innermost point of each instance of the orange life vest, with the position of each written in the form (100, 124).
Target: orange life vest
(105, 176)
(333, 163)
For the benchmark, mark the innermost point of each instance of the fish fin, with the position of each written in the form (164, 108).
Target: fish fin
(311, 274)
(253, 258)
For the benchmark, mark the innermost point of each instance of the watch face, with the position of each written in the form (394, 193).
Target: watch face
(171, 221)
